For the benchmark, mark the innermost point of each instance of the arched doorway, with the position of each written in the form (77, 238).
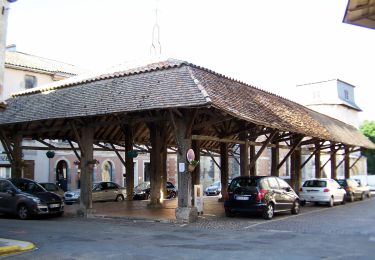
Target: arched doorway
(62, 174)
(107, 171)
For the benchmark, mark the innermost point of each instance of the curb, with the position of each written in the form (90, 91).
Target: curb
(16, 246)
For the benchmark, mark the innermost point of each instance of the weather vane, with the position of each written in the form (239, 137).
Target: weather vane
(155, 49)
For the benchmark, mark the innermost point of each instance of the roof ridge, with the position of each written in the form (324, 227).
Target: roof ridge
(40, 57)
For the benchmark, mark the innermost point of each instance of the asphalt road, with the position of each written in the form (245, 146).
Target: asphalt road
(342, 232)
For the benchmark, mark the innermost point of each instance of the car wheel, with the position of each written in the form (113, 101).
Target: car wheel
(369, 195)
(296, 208)
(229, 213)
(23, 212)
(331, 202)
(303, 203)
(268, 211)
(120, 198)
(173, 195)
(362, 196)
(351, 198)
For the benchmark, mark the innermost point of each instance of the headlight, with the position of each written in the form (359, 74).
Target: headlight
(76, 196)
(35, 199)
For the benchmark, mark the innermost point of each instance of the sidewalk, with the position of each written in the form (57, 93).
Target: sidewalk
(9, 246)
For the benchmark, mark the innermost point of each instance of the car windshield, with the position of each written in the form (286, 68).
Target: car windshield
(27, 186)
(341, 182)
(315, 183)
(243, 183)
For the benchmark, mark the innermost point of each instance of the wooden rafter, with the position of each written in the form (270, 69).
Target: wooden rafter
(265, 143)
(118, 154)
(311, 155)
(294, 147)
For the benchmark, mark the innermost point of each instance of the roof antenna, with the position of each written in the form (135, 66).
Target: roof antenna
(155, 49)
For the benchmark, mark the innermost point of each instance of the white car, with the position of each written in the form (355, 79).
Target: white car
(322, 191)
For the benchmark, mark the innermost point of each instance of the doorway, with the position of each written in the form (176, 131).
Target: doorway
(62, 174)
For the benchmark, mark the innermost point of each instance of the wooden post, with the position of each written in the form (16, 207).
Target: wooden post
(185, 212)
(156, 165)
(87, 166)
(196, 178)
(347, 162)
(164, 153)
(297, 169)
(275, 159)
(317, 162)
(253, 168)
(244, 155)
(333, 161)
(129, 165)
(224, 163)
(17, 162)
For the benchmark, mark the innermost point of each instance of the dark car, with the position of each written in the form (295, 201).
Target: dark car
(142, 191)
(26, 198)
(263, 195)
(354, 190)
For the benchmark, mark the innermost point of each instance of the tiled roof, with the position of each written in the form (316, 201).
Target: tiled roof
(31, 62)
(172, 84)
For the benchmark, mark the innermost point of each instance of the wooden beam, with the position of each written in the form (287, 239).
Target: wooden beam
(311, 155)
(78, 138)
(74, 150)
(175, 130)
(45, 143)
(268, 140)
(297, 142)
(7, 147)
(118, 154)
(191, 122)
(351, 166)
(213, 159)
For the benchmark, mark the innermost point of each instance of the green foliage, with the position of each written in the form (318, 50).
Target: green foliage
(368, 129)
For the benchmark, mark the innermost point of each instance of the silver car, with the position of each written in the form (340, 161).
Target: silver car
(102, 191)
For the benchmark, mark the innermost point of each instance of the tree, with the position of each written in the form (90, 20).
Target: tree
(368, 129)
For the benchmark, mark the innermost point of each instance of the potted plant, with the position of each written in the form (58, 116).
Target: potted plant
(50, 154)
(192, 165)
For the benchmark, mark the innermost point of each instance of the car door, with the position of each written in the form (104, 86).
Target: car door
(98, 192)
(287, 196)
(7, 200)
(338, 191)
(111, 191)
(276, 193)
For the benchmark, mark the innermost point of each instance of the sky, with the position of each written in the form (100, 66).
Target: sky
(273, 45)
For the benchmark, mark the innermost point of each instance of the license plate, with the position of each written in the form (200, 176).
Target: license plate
(242, 198)
(54, 206)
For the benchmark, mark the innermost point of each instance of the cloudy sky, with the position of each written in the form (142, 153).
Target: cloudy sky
(272, 44)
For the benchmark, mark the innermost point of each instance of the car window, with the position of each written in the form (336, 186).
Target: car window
(341, 182)
(170, 185)
(283, 184)
(273, 183)
(49, 186)
(315, 183)
(243, 182)
(112, 185)
(4, 186)
(27, 186)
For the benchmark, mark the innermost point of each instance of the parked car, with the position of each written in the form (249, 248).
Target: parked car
(354, 190)
(322, 191)
(102, 191)
(52, 187)
(213, 189)
(26, 198)
(265, 195)
(142, 191)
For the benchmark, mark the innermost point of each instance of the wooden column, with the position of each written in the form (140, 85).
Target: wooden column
(244, 155)
(129, 165)
(196, 177)
(275, 159)
(17, 163)
(253, 169)
(347, 162)
(317, 162)
(185, 212)
(224, 167)
(333, 161)
(297, 169)
(87, 166)
(156, 163)
(164, 154)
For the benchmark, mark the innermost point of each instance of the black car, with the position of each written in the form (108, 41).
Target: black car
(264, 195)
(26, 198)
(142, 191)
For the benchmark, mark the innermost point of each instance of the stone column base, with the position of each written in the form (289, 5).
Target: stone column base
(155, 205)
(186, 214)
(85, 213)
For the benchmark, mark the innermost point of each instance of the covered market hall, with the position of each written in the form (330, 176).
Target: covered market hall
(173, 105)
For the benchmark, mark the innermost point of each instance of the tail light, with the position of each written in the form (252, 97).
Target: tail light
(326, 190)
(261, 194)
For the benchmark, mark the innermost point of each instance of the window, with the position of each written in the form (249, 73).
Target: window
(283, 184)
(30, 81)
(346, 94)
